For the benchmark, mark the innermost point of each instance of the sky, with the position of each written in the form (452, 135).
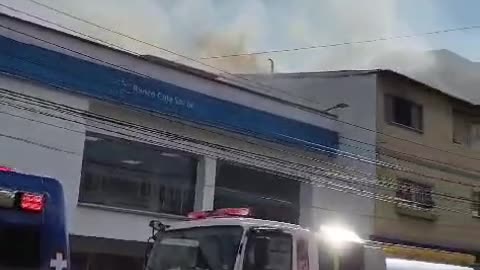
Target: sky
(200, 28)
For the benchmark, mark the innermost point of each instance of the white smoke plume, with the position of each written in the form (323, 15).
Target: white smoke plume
(213, 27)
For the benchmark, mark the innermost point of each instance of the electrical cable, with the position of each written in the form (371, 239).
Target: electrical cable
(56, 109)
(333, 151)
(277, 89)
(323, 115)
(340, 44)
(330, 164)
(128, 70)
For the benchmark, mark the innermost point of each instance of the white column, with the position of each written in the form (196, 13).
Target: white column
(306, 205)
(205, 186)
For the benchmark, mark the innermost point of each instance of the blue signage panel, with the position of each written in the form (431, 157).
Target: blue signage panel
(99, 81)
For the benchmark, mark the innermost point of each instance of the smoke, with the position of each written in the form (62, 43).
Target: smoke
(221, 44)
(212, 27)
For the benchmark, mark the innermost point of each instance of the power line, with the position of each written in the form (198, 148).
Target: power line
(436, 32)
(232, 76)
(61, 108)
(71, 30)
(202, 63)
(64, 13)
(86, 21)
(377, 181)
(353, 213)
(347, 155)
(394, 166)
(389, 184)
(315, 182)
(393, 219)
(323, 46)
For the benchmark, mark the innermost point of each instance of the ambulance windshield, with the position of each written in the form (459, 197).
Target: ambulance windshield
(209, 248)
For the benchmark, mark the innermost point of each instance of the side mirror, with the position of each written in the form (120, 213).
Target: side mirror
(261, 245)
(146, 256)
(157, 226)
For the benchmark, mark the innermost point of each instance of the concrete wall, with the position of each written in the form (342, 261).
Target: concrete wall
(39, 144)
(323, 90)
(444, 169)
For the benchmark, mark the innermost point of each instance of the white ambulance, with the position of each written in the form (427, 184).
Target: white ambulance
(229, 239)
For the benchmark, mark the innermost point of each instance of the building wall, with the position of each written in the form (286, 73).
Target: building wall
(322, 91)
(449, 171)
(39, 144)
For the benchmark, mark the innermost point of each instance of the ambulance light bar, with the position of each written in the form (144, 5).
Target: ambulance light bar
(222, 213)
(5, 169)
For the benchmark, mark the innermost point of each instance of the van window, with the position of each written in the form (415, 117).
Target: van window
(14, 252)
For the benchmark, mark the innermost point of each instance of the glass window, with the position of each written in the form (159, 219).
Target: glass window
(404, 112)
(476, 204)
(133, 175)
(415, 194)
(208, 248)
(275, 251)
(271, 196)
(460, 128)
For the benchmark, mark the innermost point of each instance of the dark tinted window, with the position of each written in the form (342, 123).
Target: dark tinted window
(415, 194)
(134, 175)
(278, 251)
(97, 261)
(215, 248)
(272, 196)
(19, 247)
(404, 112)
(350, 257)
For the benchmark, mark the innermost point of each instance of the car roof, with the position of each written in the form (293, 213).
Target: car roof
(232, 221)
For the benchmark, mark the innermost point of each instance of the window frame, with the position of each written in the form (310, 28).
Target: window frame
(413, 200)
(261, 231)
(476, 203)
(465, 128)
(389, 112)
(269, 205)
(106, 205)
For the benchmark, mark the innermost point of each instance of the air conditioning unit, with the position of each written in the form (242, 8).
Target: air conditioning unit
(476, 213)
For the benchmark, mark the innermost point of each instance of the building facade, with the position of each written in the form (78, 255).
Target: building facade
(433, 138)
(135, 138)
(426, 153)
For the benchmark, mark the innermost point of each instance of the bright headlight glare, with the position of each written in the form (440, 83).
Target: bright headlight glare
(337, 235)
